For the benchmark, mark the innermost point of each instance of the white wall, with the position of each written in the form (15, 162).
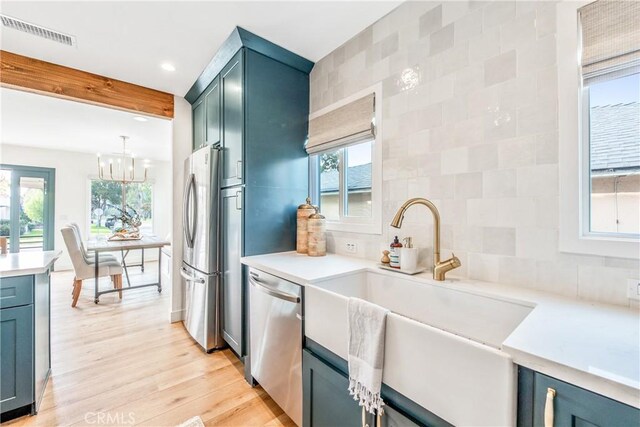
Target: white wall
(470, 121)
(181, 149)
(72, 196)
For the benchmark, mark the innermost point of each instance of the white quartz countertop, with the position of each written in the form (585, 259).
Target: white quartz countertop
(27, 263)
(591, 345)
(303, 269)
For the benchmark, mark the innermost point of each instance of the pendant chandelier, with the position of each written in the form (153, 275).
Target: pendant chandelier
(122, 169)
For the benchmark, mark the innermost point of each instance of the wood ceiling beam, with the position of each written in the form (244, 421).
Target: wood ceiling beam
(33, 75)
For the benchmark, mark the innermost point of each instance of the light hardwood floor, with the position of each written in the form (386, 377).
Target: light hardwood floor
(123, 363)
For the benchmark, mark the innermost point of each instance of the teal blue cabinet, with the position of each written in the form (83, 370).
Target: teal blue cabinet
(16, 357)
(326, 400)
(573, 406)
(206, 117)
(15, 291)
(213, 113)
(25, 351)
(394, 418)
(231, 82)
(232, 289)
(199, 123)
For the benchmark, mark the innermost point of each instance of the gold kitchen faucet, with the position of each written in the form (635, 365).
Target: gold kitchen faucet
(440, 268)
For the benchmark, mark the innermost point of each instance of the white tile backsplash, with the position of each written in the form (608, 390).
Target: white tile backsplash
(557, 277)
(499, 240)
(604, 284)
(538, 181)
(498, 12)
(455, 161)
(499, 183)
(477, 134)
(500, 68)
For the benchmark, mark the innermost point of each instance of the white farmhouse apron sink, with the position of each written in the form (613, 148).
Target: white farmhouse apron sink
(442, 345)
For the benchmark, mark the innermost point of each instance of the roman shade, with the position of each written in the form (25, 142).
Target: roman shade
(345, 125)
(610, 38)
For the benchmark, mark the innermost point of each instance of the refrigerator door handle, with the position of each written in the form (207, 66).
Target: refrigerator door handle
(195, 210)
(189, 278)
(186, 227)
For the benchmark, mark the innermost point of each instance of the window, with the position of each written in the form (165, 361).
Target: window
(106, 204)
(612, 138)
(610, 70)
(599, 127)
(346, 192)
(345, 163)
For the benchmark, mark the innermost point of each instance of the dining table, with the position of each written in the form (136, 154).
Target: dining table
(103, 244)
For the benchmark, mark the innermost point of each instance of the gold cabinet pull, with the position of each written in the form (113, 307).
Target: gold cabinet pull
(364, 418)
(548, 408)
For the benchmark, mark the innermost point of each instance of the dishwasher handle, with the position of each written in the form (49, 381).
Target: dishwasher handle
(261, 286)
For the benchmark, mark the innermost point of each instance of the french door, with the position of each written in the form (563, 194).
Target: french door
(27, 207)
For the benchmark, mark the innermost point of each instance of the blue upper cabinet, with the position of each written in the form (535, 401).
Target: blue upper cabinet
(199, 123)
(206, 116)
(212, 101)
(231, 80)
(261, 123)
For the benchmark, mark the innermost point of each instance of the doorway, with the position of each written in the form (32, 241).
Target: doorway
(27, 207)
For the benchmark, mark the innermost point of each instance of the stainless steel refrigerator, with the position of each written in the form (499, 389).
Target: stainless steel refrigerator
(201, 248)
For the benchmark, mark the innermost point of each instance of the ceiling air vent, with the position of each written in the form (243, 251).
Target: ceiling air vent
(37, 30)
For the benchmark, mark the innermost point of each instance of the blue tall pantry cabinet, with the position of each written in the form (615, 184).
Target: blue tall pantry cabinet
(253, 100)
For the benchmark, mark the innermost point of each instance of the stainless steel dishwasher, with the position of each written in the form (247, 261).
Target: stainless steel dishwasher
(275, 307)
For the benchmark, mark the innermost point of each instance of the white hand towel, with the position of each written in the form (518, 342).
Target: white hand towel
(366, 352)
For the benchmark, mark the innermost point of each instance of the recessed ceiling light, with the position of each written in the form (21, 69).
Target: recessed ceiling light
(139, 119)
(167, 67)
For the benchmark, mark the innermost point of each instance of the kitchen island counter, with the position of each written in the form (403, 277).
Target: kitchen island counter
(27, 263)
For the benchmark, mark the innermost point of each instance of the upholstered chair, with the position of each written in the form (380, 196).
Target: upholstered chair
(89, 256)
(86, 270)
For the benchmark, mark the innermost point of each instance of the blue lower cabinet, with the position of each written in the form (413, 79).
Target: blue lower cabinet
(15, 291)
(25, 353)
(16, 357)
(326, 399)
(572, 406)
(393, 418)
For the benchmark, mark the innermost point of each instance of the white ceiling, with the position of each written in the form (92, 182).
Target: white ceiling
(129, 40)
(34, 120)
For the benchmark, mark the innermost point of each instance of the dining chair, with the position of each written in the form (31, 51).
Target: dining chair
(89, 256)
(86, 270)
